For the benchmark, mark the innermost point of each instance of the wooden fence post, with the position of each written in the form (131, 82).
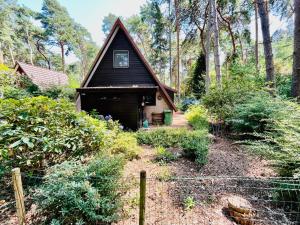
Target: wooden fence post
(142, 197)
(19, 195)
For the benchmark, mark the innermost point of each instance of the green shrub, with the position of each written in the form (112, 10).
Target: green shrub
(255, 113)
(220, 102)
(15, 93)
(36, 132)
(125, 144)
(163, 155)
(165, 137)
(26, 84)
(287, 191)
(73, 193)
(7, 76)
(283, 86)
(275, 124)
(59, 92)
(197, 117)
(193, 143)
(195, 146)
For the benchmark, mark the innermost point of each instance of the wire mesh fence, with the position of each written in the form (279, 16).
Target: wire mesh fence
(223, 200)
(183, 200)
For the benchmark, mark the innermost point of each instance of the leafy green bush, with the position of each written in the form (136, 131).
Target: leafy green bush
(220, 102)
(165, 137)
(38, 131)
(73, 193)
(284, 137)
(59, 92)
(275, 124)
(255, 113)
(283, 85)
(7, 76)
(163, 155)
(15, 93)
(197, 117)
(195, 146)
(193, 143)
(125, 144)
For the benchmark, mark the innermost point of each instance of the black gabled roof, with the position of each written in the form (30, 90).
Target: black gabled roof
(119, 25)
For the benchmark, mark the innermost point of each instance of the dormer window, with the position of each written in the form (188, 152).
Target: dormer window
(121, 59)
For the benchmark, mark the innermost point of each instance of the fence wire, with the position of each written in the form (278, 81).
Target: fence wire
(204, 200)
(185, 200)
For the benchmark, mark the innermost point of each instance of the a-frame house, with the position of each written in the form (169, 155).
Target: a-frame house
(122, 84)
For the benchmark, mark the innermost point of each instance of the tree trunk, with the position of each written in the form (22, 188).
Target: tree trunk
(242, 48)
(202, 41)
(11, 55)
(265, 26)
(83, 59)
(202, 29)
(62, 47)
(256, 38)
(208, 33)
(296, 63)
(143, 45)
(38, 47)
(170, 46)
(30, 47)
(177, 47)
(228, 24)
(216, 44)
(1, 55)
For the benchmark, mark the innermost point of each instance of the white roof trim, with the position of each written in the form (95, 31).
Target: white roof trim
(101, 56)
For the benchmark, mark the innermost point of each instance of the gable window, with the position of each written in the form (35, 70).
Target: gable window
(121, 59)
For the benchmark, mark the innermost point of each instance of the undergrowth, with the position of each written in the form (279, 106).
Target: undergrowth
(193, 143)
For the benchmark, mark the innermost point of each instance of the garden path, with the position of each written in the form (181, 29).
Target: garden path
(179, 121)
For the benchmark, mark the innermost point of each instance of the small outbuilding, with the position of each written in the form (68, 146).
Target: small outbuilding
(42, 77)
(122, 84)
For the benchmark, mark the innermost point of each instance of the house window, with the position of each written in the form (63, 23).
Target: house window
(121, 59)
(150, 100)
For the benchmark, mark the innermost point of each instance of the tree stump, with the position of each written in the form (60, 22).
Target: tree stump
(241, 210)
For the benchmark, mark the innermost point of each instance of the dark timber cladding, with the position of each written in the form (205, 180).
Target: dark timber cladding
(107, 75)
(123, 85)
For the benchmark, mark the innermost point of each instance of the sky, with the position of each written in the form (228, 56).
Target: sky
(90, 14)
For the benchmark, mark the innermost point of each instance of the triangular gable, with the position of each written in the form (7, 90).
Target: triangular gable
(119, 25)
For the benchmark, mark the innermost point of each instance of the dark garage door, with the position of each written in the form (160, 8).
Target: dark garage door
(122, 107)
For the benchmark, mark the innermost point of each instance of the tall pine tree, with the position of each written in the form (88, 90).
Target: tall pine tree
(197, 81)
(59, 27)
(152, 15)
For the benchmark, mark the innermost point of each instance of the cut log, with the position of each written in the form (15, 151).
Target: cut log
(241, 210)
(240, 218)
(239, 204)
